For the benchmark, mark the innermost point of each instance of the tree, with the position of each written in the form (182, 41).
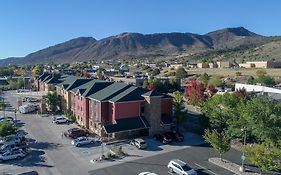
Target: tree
(204, 78)
(37, 70)
(263, 119)
(195, 93)
(222, 111)
(155, 72)
(20, 83)
(261, 72)
(212, 89)
(238, 74)
(181, 73)
(53, 100)
(216, 81)
(266, 80)
(179, 108)
(264, 156)
(219, 141)
(241, 93)
(86, 74)
(6, 128)
(251, 80)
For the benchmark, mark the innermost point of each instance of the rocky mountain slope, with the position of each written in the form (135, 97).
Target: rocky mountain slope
(136, 45)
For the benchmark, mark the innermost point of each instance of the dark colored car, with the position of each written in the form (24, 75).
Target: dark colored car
(158, 137)
(178, 137)
(168, 137)
(75, 133)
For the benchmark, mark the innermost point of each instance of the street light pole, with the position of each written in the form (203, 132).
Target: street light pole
(15, 116)
(242, 168)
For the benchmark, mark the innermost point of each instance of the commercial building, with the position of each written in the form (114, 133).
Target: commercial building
(260, 64)
(114, 109)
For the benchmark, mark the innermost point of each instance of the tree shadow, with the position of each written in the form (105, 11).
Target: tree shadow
(45, 145)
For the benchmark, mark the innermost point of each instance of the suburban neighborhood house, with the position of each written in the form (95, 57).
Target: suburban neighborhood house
(111, 109)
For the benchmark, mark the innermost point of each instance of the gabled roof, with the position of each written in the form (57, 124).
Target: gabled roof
(131, 94)
(127, 124)
(43, 76)
(77, 82)
(67, 81)
(91, 87)
(47, 78)
(55, 79)
(152, 94)
(110, 91)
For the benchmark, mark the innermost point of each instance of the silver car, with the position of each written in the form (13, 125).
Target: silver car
(82, 141)
(10, 155)
(177, 166)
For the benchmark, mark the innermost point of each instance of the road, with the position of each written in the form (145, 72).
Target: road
(196, 157)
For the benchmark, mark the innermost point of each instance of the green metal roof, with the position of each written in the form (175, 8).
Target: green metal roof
(67, 81)
(91, 87)
(152, 94)
(110, 91)
(131, 94)
(77, 82)
(127, 124)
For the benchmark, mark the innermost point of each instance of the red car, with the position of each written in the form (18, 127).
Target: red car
(75, 133)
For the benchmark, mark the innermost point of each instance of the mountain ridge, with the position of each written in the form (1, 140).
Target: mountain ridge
(137, 45)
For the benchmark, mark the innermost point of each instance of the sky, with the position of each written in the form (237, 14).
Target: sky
(30, 25)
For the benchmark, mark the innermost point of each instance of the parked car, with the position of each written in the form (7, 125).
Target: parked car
(82, 141)
(75, 133)
(60, 119)
(14, 138)
(9, 155)
(179, 167)
(9, 119)
(13, 146)
(139, 143)
(164, 138)
(147, 173)
(178, 137)
(168, 138)
(24, 109)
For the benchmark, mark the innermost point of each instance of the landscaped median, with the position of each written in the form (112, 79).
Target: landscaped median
(233, 167)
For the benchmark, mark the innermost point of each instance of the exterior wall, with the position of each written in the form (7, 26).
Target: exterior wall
(223, 64)
(261, 64)
(203, 65)
(80, 107)
(41, 86)
(152, 112)
(95, 111)
(167, 107)
(213, 65)
(125, 110)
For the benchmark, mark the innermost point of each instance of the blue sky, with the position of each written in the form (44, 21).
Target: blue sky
(29, 25)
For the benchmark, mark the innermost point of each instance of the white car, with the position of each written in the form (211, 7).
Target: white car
(147, 173)
(82, 141)
(9, 155)
(179, 167)
(60, 119)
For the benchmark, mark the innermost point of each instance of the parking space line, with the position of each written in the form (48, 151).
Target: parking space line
(205, 169)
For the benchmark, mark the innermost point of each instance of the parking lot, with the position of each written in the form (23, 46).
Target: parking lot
(53, 154)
